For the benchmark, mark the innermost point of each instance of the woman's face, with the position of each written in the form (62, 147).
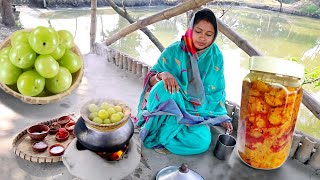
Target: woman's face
(202, 34)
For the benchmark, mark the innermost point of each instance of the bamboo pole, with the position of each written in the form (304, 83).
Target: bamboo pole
(311, 103)
(166, 14)
(93, 25)
(145, 30)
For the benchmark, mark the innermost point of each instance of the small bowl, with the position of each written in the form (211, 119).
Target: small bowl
(64, 120)
(39, 146)
(60, 138)
(38, 132)
(56, 149)
(70, 126)
(54, 128)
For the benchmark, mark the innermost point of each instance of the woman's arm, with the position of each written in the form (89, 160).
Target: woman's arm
(154, 79)
(169, 81)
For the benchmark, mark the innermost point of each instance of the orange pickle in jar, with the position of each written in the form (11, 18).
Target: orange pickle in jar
(269, 108)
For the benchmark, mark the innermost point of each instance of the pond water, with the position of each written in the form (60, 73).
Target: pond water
(274, 34)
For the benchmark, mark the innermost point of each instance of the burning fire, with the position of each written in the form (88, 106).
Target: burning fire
(114, 156)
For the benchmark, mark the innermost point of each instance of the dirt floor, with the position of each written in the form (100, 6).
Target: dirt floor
(5, 31)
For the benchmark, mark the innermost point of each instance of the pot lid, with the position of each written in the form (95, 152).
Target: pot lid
(178, 173)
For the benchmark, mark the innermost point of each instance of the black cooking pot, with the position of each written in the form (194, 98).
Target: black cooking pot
(103, 141)
(104, 137)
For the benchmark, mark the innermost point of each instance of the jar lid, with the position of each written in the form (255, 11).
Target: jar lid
(277, 66)
(176, 173)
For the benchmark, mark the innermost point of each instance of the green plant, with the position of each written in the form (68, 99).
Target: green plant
(310, 9)
(311, 76)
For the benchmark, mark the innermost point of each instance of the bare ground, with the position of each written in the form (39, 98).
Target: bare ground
(6, 31)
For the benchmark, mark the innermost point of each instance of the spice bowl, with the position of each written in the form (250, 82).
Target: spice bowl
(38, 132)
(70, 126)
(56, 149)
(62, 135)
(54, 128)
(64, 120)
(39, 146)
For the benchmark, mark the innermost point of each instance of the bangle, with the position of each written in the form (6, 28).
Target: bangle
(156, 76)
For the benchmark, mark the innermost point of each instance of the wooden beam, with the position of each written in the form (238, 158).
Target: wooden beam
(166, 14)
(311, 103)
(145, 30)
(93, 25)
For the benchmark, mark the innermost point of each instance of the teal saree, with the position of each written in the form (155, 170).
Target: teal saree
(180, 122)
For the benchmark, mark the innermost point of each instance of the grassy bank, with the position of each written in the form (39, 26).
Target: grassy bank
(308, 8)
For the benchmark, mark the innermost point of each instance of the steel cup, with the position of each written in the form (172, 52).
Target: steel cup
(224, 146)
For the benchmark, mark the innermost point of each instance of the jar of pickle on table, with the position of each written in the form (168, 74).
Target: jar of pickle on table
(270, 101)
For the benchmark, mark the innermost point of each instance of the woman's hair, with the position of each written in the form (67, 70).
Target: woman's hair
(207, 15)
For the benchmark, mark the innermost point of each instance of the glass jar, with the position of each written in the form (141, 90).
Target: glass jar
(271, 97)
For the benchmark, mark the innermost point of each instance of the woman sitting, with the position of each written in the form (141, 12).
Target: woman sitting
(184, 92)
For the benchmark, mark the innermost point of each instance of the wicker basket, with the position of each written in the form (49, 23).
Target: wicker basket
(104, 127)
(76, 79)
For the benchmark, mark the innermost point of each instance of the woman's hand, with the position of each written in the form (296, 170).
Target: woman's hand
(170, 82)
(228, 126)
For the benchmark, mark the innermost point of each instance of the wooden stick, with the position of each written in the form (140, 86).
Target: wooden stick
(93, 26)
(145, 30)
(166, 14)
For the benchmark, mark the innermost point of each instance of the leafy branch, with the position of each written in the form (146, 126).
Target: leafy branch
(311, 77)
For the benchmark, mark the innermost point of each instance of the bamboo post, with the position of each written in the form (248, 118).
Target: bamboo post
(109, 53)
(93, 25)
(295, 144)
(144, 70)
(309, 137)
(305, 150)
(114, 56)
(125, 62)
(315, 160)
(166, 14)
(129, 61)
(139, 69)
(116, 62)
(134, 66)
(121, 61)
(105, 52)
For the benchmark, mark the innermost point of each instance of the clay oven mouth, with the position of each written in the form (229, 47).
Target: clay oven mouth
(115, 156)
